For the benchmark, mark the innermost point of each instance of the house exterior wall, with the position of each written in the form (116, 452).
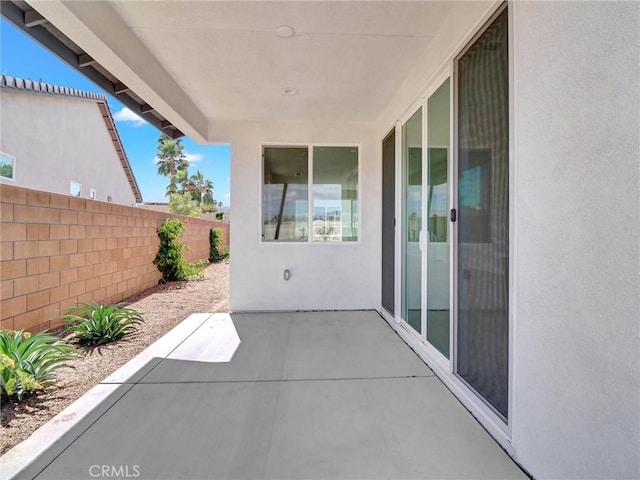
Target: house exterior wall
(57, 250)
(323, 276)
(56, 139)
(575, 228)
(577, 263)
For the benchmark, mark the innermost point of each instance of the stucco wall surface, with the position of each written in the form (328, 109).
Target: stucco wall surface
(323, 276)
(576, 388)
(56, 139)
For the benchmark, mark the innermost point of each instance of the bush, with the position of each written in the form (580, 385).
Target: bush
(217, 253)
(28, 362)
(98, 324)
(184, 204)
(169, 260)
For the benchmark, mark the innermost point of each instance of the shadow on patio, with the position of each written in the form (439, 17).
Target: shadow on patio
(305, 395)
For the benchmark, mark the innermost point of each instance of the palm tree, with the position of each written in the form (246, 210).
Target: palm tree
(201, 185)
(171, 160)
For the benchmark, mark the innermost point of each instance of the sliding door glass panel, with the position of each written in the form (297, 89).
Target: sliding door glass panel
(412, 221)
(483, 216)
(285, 194)
(335, 194)
(438, 219)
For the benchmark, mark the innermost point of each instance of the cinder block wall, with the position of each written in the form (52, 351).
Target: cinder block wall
(58, 250)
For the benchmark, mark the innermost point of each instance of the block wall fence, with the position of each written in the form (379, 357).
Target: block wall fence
(58, 250)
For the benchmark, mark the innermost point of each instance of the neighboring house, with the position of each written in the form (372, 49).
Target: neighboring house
(62, 140)
(468, 169)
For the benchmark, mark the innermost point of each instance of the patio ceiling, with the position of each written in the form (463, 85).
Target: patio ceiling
(197, 63)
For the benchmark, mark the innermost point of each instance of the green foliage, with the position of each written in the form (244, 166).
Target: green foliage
(171, 157)
(200, 186)
(169, 259)
(184, 204)
(219, 216)
(216, 252)
(28, 362)
(98, 324)
(6, 170)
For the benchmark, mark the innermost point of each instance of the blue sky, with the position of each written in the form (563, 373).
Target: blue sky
(22, 57)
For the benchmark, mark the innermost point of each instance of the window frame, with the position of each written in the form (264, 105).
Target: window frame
(310, 148)
(71, 183)
(12, 178)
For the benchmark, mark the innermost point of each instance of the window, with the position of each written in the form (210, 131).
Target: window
(92, 193)
(75, 189)
(7, 166)
(327, 175)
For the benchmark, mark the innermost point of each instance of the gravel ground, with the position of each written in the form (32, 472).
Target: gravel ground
(162, 307)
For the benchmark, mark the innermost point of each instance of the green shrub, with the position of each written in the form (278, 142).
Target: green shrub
(28, 362)
(98, 324)
(184, 204)
(217, 253)
(169, 259)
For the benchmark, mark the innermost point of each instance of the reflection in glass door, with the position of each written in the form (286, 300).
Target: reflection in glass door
(412, 221)
(438, 115)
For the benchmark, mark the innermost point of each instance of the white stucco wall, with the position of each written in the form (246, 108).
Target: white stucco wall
(56, 139)
(323, 276)
(576, 410)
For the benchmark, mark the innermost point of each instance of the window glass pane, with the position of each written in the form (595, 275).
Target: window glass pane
(412, 221)
(438, 214)
(335, 194)
(285, 194)
(75, 189)
(6, 166)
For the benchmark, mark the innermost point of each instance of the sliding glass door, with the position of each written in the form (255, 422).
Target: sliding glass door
(483, 216)
(454, 230)
(425, 243)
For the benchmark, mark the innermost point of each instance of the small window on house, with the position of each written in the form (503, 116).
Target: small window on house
(326, 176)
(7, 166)
(92, 193)
(75, 189)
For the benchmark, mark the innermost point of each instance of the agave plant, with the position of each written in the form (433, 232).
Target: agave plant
(28, 362)
(98, 324)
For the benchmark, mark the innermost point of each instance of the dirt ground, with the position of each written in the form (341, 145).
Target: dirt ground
(162, 307)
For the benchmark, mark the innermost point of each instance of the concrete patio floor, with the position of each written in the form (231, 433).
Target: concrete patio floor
(329, 395)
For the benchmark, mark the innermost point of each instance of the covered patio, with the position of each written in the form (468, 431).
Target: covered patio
(268, 395)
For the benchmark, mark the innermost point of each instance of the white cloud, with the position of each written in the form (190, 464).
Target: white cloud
(193, 157)
(227, 196)
(126, 115)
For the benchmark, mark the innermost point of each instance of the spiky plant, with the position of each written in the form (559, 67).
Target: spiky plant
(98, 324)
(28, 361)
